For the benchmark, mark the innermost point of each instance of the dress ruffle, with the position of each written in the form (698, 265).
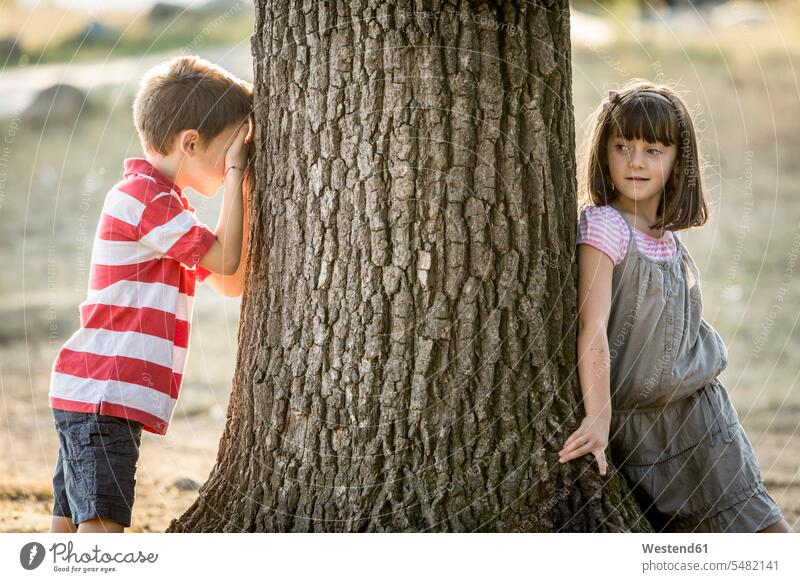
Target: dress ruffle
(748, 513)
(691, 466)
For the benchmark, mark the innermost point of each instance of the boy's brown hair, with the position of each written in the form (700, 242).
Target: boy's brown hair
(188, 93)
(654, 113)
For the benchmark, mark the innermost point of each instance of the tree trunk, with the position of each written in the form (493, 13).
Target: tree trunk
(407, 353)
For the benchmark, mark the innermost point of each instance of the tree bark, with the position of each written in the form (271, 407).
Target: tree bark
(407, 350)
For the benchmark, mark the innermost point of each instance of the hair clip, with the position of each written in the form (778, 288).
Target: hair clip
(613, 96)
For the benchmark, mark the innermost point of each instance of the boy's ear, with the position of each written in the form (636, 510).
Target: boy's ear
(189, 141)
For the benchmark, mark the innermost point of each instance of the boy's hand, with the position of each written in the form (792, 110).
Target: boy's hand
(237, 152)
(590, 437)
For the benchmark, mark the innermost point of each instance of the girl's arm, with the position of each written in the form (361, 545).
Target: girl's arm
(594, 305)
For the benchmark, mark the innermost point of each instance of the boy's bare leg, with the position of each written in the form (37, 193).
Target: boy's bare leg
(100, 525)
(61, 524)
(781, 526)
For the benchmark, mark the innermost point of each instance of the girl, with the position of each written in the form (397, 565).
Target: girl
(673, 430)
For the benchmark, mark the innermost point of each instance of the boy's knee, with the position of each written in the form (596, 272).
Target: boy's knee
(61, 524)
(100, 525)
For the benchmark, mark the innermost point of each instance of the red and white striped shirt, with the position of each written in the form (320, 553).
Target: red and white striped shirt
(128, 356)
(605, 229)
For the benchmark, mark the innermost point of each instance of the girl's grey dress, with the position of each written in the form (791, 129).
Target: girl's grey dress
(674, 432)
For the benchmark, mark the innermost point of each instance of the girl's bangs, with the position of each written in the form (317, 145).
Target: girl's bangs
(646, 118)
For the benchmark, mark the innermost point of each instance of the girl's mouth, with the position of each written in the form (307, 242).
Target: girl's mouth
(637, 179)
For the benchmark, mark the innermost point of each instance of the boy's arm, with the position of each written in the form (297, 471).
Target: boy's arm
(233, 285)
(224, 255)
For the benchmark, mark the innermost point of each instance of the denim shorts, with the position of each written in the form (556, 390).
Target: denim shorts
(95, 474)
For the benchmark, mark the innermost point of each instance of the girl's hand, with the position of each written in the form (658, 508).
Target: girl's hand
(590, 437)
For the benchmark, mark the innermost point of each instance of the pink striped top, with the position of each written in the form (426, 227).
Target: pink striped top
(128, 356)
(606, 230)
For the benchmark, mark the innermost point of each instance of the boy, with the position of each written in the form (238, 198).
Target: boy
(121, 372)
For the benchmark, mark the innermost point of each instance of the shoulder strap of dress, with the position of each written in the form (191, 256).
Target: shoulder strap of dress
(678, 241)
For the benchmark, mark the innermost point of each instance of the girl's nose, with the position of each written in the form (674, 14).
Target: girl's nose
(637, 158)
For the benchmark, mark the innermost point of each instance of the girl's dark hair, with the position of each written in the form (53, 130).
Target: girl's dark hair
(640, 112)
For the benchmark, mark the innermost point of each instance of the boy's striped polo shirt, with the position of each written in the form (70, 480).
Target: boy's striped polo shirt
(127, 358)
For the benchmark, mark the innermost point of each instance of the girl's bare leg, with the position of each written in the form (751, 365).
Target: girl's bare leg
(781, 526)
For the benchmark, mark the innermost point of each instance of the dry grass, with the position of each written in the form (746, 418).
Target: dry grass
(48, 33)
(47, 24)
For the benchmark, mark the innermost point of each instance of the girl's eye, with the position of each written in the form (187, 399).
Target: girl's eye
(621, 147)
(654, 151)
